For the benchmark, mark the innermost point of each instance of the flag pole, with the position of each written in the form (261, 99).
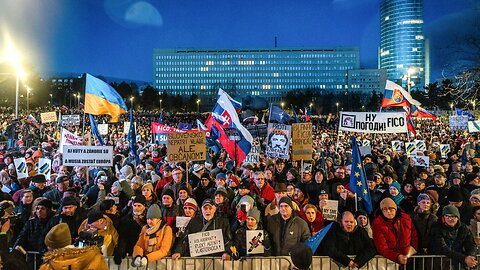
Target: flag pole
(84, 91)
(301, 168)
(356, 202)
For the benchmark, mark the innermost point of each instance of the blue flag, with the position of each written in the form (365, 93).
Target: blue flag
(160, 119)
(462, 112)
(132, 139)
(314, 241)
(94, 127)
(279, 115)
(358, 179)
(295, 115)
(464, 158)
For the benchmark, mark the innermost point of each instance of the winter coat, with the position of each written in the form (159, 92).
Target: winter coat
(295, 230)
(72, 258)
(316, 225)
(338, 244)
(30, 237)
(454, 242)
(394, 237)
(423, 224)
(197, 225)
(473, 228)
(267, 192)
(164, 237)
(170, 215)
(110, 236)
(240, 242)
(129, 231)
(200, 193)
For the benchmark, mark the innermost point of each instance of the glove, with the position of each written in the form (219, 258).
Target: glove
(144, 261)
(117, 258)
(137, 261)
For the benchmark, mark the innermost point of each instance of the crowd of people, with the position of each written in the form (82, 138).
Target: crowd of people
(131, 209)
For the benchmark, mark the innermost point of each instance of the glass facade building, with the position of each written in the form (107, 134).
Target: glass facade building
(402, 42)
(266, 72)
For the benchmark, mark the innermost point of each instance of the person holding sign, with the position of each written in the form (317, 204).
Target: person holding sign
(154, 241)
(208, 221)
(247, 247)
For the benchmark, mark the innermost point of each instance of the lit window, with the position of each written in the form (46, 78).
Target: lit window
(414, 49)
(387, 18)
(418, 37)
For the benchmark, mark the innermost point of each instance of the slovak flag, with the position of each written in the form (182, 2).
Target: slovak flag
(395, 95)
(237, 105)
(418, 111)
(225, 116)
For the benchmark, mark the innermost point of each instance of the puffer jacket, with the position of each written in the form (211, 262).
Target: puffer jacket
(129, 230)
(454, 242)
(87, 258)
(394, 237)
(30, 237)
(164, 238)
(295, 230)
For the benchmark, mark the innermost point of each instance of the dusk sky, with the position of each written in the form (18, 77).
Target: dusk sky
(115, 38)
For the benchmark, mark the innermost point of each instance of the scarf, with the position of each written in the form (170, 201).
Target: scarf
(138, 217)
(152, 238)
(398, 199)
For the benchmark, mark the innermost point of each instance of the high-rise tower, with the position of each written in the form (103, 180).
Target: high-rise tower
(402, 42)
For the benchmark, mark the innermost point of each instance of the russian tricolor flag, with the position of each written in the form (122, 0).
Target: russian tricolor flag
(395, 95)
(418, 111)
(225, 116)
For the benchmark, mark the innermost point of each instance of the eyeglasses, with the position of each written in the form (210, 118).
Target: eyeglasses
(390, 209)
(450, 216)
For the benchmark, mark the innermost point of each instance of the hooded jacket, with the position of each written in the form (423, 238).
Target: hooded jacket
(87, 258)
(164, 237)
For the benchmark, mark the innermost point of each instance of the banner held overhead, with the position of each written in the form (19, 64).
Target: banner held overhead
(373, 122)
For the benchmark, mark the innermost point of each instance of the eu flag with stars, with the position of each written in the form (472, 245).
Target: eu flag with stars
(358, 179)
(279, 115)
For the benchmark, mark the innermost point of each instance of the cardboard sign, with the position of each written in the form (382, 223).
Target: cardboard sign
(458, 122)
(253, 156)
(302, 141)
(410, 149)
(48, 117)
(182, 222)
(420, 146)
(44, 167)
(474, 126)
(397, 146)
(444, 150)
(103, 129)
(68, 138)
(330, 210)
(422, 161)
(21, 167)
(186, 146)
(254, 241)
(79, 155)
(278, 141)
(373, 122)
(204, 243)
(70, 120)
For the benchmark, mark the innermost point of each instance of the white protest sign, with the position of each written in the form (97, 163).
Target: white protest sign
(253, 156)
(21, 167)
(444, 150)
(278, 141)
(126, 127)
(365, 150)
(182, 222)
(474, 126)
(420, 146)
(410, 149)
(373, 122)
(422, 161)
(330, 210)
(48, 117)
(204, 243)
(68, 138)
(103, 129)
(45, 167)
(70, 120)
(366, 142)
(79, 155)
(458, 122)
(397, 146)
(254, 241)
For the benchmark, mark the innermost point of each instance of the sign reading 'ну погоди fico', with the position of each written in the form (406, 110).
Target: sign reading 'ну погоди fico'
(204, 243)
(79, 155)
(373, 122)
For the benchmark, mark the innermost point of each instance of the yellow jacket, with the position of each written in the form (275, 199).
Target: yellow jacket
(164, 242)
(87, 258)
(110, 236)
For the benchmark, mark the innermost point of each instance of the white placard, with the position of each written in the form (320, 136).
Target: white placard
(182, 222)
(474, 126)
(126, 127)
(254, 241)
(444, 150)
(76, 155)
(366, 142)
(103, 129)
(68, 138)
(330, 210)
(70, 120)
(278, 140)
(253, 156)
(420, 146)
(21, 167)
(410, 149)
(48, 117)
(373, 122)
(44, 167)
(422, 161)
(204, 243)
(458, 122)
(365, 150)
(397, 146)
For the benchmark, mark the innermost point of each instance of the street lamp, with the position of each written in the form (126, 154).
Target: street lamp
(51, 102)
(337, 106)
(451, 107)
(311, 104)
(281, 104)
(131, 101)
(14, 59)
(161, 104)
(198, 105)
(75, 97)
(78, 103)
(28, 96)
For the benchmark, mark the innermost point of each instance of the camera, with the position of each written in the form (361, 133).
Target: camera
(89, 238)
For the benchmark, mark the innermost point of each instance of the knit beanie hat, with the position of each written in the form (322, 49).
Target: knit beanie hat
(395, 185)
(221, 176)
(47, 203)
(454, 194)
(154, 212)
(140, 199)
(117, 185)
(222, 191)
(301, 256)
(58, 236)
(422, 197)
(69, 200)
(39, 178)
(246, 200)
(450, 210)
(190, 202)
(287, 200)
(361, 212)
(388, 203)
(168, 192)
(106, 205)
(294, 172)
(149, 186)
(94, 215)
(254, 213)
(433, 195)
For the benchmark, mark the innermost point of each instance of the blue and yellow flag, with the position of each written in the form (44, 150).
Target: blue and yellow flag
(93, 125)
(101, 98)
(358, 179)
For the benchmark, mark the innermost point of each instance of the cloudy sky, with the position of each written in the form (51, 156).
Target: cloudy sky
(116, 38)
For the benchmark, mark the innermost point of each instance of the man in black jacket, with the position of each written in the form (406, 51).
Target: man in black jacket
(348, 239)
(208, 221)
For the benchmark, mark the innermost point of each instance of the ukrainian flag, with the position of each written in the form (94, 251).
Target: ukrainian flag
(101, 98)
